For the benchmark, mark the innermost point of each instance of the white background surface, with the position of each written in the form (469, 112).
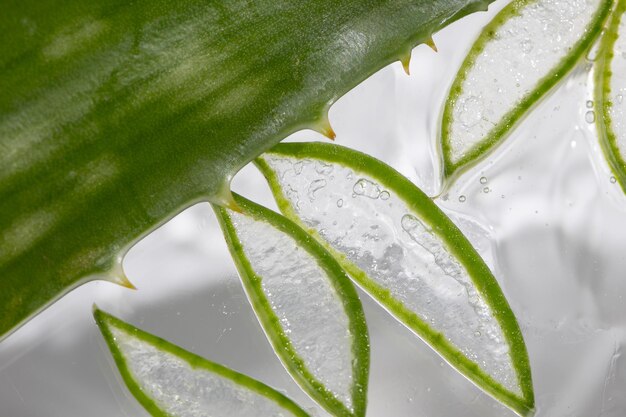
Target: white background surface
(552, 226)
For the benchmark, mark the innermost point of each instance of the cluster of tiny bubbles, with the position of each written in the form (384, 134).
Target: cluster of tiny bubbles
(483, 181)
(366, 188)
(590, 115)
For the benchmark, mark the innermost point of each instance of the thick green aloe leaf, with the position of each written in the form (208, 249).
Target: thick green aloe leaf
(306, 304)
(172, 382)
(520, 55)
(409, 256)
(116, 115)
(610, 91)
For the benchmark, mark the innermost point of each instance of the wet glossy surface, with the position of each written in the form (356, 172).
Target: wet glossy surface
(182, 390)
(514, 61)
(378, 232)
(547, 218)
(301, 295)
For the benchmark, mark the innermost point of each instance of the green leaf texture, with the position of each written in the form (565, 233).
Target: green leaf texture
(409, 256)
(115, 115)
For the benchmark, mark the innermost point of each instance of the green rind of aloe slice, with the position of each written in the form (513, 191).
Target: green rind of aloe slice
(271, 323)
(452, 170)
(456, 243)
(603, 73)
(106, 321)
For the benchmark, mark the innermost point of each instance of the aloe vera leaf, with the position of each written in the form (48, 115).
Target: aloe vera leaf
(409, 256)
(116, 115)
(610, 88)
(305, 302)
(520, 55)
(169, 381)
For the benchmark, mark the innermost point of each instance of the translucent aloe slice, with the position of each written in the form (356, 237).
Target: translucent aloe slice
(171, 382)
(523, 52)
(406, 253)
(610, 91)
(306, 304)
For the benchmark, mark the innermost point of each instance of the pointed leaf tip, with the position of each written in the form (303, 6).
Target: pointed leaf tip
(323, 127)
(122, 280)
(116, 275)
(405, 60)
(225, 199)
(329, 133)
(232, 205)
(431, 43)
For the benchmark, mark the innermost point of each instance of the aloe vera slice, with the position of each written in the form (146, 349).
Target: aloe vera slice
(520, 55)
(306, 304)
(610, 91)
(172, 382)
(406, 253)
